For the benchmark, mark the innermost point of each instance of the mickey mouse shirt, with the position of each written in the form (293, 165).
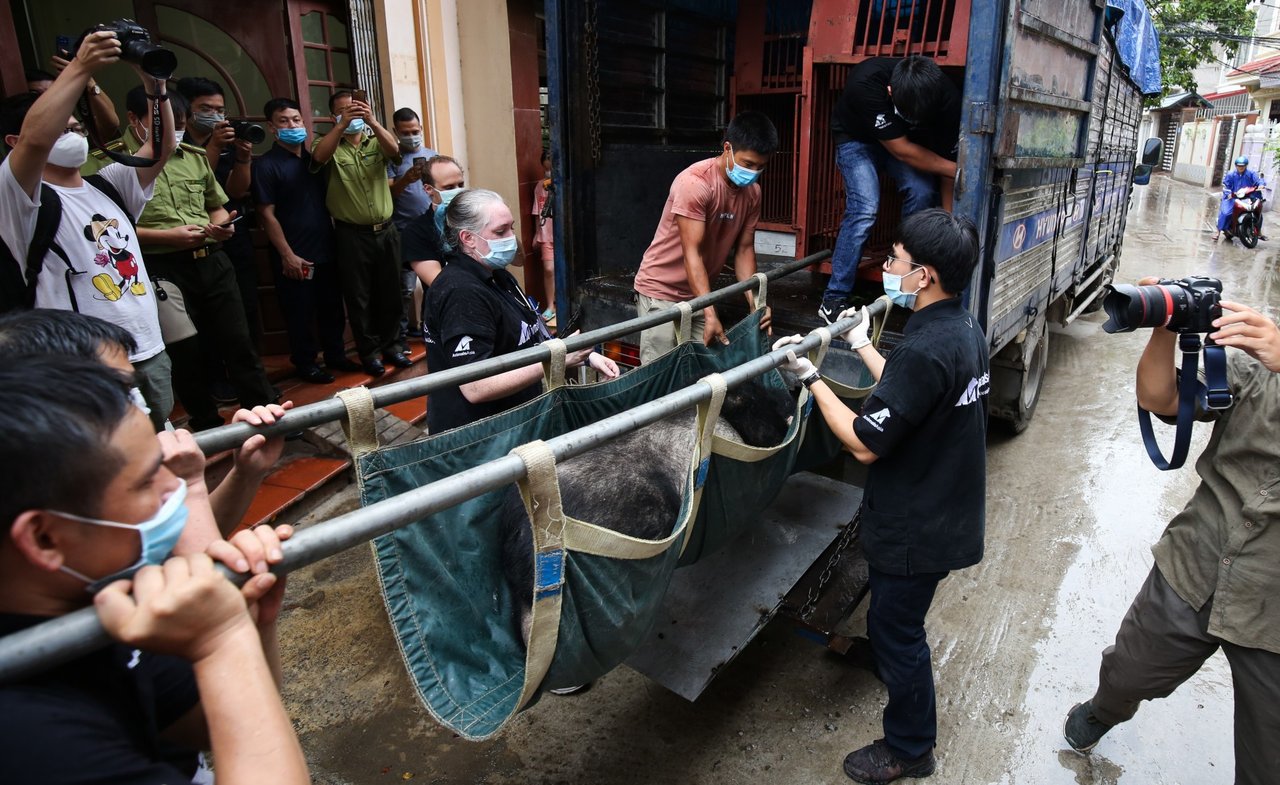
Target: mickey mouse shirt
(106, 276)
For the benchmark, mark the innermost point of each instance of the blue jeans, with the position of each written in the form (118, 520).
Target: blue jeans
(895, 626)
(859, 163)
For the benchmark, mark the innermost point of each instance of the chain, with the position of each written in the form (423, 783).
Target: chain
(591, 42)
(815, 592)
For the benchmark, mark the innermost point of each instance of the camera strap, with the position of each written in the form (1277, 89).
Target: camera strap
(1212, 395)
(95, 141)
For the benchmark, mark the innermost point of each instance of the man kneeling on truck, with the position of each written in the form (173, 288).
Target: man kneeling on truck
(711, 211)
(923, 432)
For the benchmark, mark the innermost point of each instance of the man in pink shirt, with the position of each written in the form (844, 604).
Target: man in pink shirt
(711, 212)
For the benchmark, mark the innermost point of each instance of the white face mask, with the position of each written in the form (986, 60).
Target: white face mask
(178, 136)
(70, 151)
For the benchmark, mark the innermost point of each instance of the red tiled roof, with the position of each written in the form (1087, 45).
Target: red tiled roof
(1223, 94)
(1260, 66)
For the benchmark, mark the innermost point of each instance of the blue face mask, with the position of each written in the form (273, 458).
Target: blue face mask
(502, 252)
(893, 288)
(291, 135)
(158, 535)
(741, 176)
(356, 126)
(445, 198)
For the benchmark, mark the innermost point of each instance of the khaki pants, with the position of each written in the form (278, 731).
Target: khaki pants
(657, 341)
(1162, 642)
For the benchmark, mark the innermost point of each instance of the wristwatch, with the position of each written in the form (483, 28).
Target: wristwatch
(809, 380)
(94, 89)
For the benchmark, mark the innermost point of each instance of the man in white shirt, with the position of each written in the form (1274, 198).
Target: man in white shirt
(94, 264)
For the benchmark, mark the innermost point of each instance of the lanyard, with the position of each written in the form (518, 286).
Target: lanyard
(1213, 395)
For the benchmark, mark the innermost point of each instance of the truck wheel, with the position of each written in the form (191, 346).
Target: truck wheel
(1248, 233)
(1017, 376)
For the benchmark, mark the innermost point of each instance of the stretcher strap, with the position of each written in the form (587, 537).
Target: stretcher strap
(708, 413)
(360, 423)
(816, 356)
(541, 494)
(877, 329)
(762, 294)
(685, 330)
(553, 368)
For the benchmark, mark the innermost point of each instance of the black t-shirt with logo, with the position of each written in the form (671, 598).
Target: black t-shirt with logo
(925, 501)
(474, 313)
(865, 112)
(96, 719)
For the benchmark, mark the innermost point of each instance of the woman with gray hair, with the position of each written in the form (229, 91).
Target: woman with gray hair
(477, 310)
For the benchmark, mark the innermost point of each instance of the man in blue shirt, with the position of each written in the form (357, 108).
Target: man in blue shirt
(1233, 181)
(290, 199)
(411, 198)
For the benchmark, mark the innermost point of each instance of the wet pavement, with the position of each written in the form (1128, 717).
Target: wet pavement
(1073, 507)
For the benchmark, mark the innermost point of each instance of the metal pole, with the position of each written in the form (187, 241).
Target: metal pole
(61, 640)
(231, 436)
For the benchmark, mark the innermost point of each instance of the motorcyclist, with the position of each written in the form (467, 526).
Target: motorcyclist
(1232, 182)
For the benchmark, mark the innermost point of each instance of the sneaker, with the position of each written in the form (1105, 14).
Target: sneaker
(571, 690)
(1082, 730)
(876, 764)
(830, 309)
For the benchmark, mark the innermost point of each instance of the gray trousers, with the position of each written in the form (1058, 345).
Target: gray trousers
(1162, 642)
(657, 341)
(154, 378)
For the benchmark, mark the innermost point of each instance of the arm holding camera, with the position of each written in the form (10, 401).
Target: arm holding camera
(47, 120)
(105, 118)
(156, 91)
(386, 140)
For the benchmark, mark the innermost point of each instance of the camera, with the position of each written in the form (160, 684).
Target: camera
(1186, 306)
(136, 47)
(250, 132)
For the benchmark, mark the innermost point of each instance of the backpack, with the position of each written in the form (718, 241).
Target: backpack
(18, 292)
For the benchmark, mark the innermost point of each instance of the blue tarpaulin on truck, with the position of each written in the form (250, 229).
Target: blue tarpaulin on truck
(1137, 43)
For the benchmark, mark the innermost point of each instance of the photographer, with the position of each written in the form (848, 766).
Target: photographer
(411, 199)
(95, 235)
(1217, 566)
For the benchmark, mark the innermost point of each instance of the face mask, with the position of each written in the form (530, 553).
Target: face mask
(502, 251)
(143, 135)
(356, 126)
(893, 288)
(158, 536)
(291, 135)
(207, 121)
(445, 198)
(741, 176)
(410, 141)
(70, 151)
(135, 395)
(179, 136)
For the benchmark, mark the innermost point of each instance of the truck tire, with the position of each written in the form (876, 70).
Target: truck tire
(1017, 376)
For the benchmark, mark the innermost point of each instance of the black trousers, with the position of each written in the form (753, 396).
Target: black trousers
(313, 315)
(895, 625)
(212, 297)
(369, 269)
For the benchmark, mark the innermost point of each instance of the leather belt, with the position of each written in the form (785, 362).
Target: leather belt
(371, 228)
(191, 255)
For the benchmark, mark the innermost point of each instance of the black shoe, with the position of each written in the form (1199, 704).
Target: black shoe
(343, 365)
(830, 310)
(875, 764)
(373, 367)
(315, 375)
(222, 392)
(398, 359)
(1082, 730)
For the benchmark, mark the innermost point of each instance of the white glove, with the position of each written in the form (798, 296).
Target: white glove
(800, 366)
(856, 337)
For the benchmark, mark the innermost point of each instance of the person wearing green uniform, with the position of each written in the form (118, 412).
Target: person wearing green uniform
(181, 231)
(354, 156)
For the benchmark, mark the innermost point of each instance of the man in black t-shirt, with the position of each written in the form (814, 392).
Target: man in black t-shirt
(900, 115)
(923, 433)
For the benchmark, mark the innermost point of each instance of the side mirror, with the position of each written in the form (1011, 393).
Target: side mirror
(1142, 174)
(1151, 152)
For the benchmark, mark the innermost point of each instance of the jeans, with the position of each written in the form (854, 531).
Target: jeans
(859, 164)
(895, 626)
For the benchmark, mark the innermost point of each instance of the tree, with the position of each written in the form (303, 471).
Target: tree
(1198, 31)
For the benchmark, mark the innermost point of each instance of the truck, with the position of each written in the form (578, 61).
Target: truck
(1048, 145)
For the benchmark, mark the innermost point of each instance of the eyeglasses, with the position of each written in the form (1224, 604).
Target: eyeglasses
(890, 259)
(75, 129)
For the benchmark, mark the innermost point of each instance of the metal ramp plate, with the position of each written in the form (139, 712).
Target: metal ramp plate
(716, 606)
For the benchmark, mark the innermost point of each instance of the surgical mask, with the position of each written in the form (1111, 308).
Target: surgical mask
(70, 151)
(291, 135)
(502, 251)
(207, 121)
(445, 198)
(893, 288)
(158, 537)
(410, 141)
(179, 136)
(356, 126)
(741, 176)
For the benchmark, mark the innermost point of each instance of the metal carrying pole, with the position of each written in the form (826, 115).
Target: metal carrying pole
(64, 639)
(231, 436)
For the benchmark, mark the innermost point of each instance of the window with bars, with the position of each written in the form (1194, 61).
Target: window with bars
(326, 54)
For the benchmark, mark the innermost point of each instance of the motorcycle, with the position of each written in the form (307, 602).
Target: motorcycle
(1246, 214)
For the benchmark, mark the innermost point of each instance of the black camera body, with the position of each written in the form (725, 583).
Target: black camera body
(250, 132)
(137, 47)
(1186, 306)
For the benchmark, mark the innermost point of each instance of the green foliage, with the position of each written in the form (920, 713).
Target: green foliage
(1197, 31)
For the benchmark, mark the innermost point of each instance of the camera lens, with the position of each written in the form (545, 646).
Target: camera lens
(1159, 305)
(249, 132)
(157, 62)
